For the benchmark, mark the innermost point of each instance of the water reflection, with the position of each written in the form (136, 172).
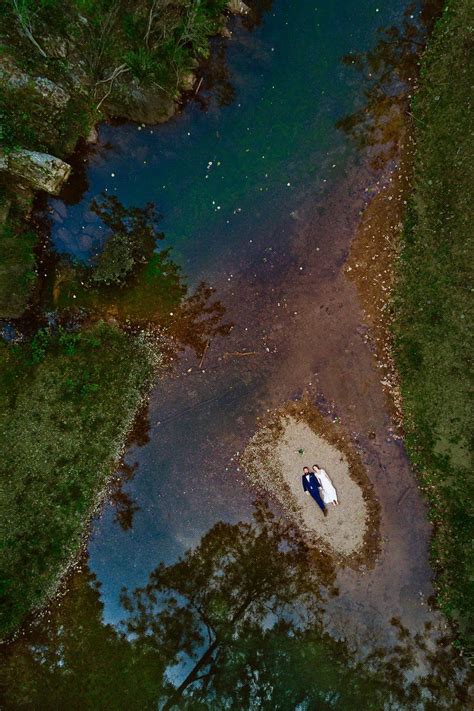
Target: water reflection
(136, 283)
(235, 623)
(201, 613)
(258, 9)
(124, 505)
(390, 72)
(216, 85)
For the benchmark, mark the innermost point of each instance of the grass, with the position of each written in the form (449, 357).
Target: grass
(79, 44)
(17, 273)
(66, 402)
(434, 308)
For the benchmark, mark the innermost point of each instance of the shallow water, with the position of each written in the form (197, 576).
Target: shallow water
(260, 195)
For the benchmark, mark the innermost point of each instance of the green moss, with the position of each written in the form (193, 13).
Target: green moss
(66, 402)
(434, 305)
(17, 275)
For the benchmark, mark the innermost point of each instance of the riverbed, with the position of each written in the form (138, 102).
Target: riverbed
(260, 195)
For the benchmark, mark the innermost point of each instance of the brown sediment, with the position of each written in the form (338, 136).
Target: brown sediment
(371, 265)
(350, 533)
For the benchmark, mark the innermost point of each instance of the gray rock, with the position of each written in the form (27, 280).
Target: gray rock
(55, 46)
(237, 7)
(14, 78)
(141, 104)
(51, 92)
(40, 170)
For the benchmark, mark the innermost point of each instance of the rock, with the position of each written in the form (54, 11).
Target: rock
(93, 136)
(225, 32)
(14, 78)
(141, 104)
(51, 92)
(187, 81)
(40, 170)
(237, 7)
(55, 46)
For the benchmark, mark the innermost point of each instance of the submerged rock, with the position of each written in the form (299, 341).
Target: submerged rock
(40, 170)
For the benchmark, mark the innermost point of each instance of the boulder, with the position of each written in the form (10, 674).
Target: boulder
(40, 170)
(237, 7)
(141, 104)
(14, 78)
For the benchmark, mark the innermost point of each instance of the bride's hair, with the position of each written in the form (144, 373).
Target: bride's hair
(317, 466)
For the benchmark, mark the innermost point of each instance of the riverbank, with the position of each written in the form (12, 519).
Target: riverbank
(67, 403)
(67, 66)
(69, 398)
(409, 262)
(433, 322)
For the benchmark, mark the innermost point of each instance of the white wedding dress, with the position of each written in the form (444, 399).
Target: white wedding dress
(329, 493)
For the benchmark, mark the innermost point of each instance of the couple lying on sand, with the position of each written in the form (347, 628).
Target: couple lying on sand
(318, 484)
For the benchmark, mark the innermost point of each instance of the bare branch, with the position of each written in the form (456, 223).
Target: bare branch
(151, 17)
(24, 19)
(115, 74)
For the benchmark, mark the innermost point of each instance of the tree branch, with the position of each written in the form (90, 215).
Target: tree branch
(25, 23)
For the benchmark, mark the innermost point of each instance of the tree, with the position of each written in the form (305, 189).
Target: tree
(235, 623)
(238, 576)
(139, 284)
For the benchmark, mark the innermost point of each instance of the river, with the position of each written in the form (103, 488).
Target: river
(260, 195)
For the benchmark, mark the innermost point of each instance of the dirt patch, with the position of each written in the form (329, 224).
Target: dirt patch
(297, 436)
(371, 265)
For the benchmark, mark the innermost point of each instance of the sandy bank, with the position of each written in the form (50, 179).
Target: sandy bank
(274, 460)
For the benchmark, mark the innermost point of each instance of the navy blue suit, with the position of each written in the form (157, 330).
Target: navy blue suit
(313, 486)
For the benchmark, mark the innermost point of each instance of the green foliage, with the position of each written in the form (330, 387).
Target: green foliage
(17, 275)
(28, 121)
(66, 401)
(434, 305)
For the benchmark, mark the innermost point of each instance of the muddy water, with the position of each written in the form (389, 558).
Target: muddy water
(260, 196)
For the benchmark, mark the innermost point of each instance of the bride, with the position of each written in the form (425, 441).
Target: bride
(329, 493)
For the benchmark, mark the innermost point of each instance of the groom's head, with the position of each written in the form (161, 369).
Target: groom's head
(306, 470)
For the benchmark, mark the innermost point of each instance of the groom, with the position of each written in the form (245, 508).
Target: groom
(312, 486)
